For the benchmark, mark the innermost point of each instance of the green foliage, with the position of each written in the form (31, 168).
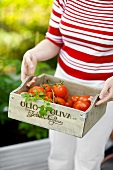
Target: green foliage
(23, 24)
(7, 84)
(44, 108)
(33, 131)
(12, 41)
(9, 65)
(17, 15)
(44, 67)
(10, 81)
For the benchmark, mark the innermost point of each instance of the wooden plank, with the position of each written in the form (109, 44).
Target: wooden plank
(25, 156)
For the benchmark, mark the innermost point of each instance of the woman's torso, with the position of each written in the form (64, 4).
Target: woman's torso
(87, 31)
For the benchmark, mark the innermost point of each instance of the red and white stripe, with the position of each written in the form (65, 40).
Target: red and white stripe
(84, 31)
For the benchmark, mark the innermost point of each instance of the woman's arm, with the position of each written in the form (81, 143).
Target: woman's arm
(41, 52)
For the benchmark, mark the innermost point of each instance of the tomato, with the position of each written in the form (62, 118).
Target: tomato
(48, 98)
(69, 103)
(81, 105)
(74, 98)
(66, 96)
(85, 98)
(47, 87)
(60, 90)
(49, 94)
(36, 89)
(59, 100)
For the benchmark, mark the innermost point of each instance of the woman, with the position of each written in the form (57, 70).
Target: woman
(81, 32)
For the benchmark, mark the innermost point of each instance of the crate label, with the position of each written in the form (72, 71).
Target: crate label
(52, 116)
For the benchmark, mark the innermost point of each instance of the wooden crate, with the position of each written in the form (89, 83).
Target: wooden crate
(63, 119)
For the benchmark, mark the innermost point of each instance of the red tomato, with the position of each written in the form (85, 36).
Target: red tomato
(74, 98)
(49, 94)
(81, 105)
(59, 100)
(47, 87)
(69, 103)
(85, 98)
(48, 98)
(60, 90)
(36, 89)
(66, 96)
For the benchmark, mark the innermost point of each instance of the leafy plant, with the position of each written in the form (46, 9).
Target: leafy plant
(7, 84)
(44, 67)
(44, 108)
(23, 24)
(33, 131)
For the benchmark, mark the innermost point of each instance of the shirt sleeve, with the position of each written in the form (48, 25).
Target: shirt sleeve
(53, 33)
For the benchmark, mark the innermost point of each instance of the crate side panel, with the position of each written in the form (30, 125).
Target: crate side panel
(94, 116)
(60, 119)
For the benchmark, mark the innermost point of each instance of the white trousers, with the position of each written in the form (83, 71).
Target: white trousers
(72, 153)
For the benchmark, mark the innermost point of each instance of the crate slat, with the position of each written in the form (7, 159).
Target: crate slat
(25, 156)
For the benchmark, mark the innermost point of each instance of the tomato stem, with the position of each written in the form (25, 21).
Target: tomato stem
(53, 96)
(60, 83)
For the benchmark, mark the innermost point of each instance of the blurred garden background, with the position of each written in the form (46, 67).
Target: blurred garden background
(23, 24)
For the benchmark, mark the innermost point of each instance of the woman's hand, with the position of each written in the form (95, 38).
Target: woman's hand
(106, 94)
(29, 64)
(41, 52)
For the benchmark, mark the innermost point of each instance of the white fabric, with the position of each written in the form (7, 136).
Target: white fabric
(94, 83)
(72, 153)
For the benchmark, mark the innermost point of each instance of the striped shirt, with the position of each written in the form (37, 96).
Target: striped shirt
(84, 31)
